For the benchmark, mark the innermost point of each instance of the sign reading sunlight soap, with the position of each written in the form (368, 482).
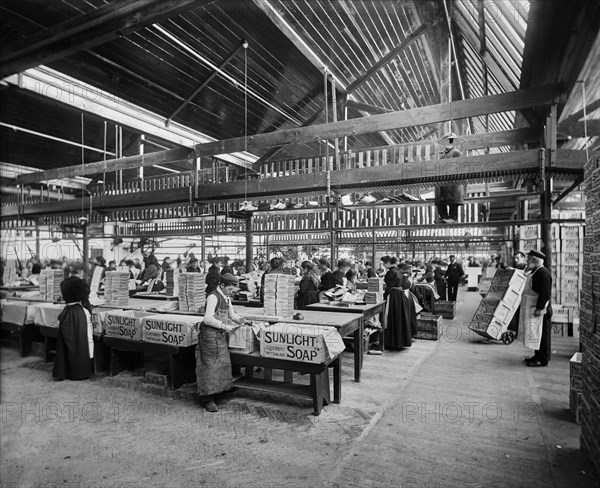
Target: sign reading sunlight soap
(301, 342)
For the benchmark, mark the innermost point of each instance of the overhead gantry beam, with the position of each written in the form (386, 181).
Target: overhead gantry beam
(87, 31)
(437, 170)
(363, 125)
(430, 114)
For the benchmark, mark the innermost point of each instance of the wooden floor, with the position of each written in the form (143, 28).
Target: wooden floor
(459, 412)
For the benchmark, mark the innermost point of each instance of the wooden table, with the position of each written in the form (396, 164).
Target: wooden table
(124, 353)
(345, 323)
(367, 310)
(318, 389)
(154, 296)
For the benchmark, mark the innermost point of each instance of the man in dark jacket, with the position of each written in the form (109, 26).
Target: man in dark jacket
(541, 283)
(449, 198)
(453, 275)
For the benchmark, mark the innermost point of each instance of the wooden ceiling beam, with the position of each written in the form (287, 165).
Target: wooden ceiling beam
(88, 31)
(130, 162)
(430, 114)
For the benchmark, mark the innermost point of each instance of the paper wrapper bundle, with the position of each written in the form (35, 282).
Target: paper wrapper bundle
(46, 314)
(13, 312)
(245, 338)
(126, 324)
(301, 342)
(171, 329)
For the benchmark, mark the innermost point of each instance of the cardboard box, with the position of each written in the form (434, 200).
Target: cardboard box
(99, 319)
(445, 308)
(301, 342)
(575, 372)
(171, 329)
(244, 339)
(126, 324)
(527, 232)
(429, 326)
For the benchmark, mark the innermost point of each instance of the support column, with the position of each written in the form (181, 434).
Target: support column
(86, 250)
(546, 160)
(37, 241)
(373, 244)
(249, 244)
(203, 251)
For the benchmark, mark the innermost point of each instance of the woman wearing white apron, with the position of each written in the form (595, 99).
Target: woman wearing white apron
(534, 324)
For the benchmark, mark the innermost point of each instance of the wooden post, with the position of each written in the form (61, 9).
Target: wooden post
(374, 245)
(141, 170)
(37, 240)
(547, 159)
(85, 251)
(249, 243)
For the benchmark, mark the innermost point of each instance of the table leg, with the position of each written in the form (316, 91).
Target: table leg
(337, 379)
(358, 350)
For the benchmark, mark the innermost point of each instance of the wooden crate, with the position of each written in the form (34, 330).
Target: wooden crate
(445, 308)
(429, 326)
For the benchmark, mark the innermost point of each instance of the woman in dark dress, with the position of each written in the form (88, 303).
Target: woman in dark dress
(392, 278)
(326, 275)
(75, 343)
(309, 286)
(213, 363)
(401, 315)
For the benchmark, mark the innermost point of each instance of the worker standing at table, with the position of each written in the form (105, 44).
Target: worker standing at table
(213, 364)
(75, 341)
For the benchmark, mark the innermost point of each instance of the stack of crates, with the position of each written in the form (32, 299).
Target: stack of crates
(497, 309)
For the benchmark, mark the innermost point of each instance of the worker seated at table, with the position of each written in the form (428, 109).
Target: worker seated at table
(213, 364)
(75, 341)
(151, 273)
(308, 292)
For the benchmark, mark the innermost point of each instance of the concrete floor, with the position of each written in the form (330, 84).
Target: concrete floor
(460, 412)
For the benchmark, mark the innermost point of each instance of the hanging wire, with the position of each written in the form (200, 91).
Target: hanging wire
(245, 118)
(82, 161)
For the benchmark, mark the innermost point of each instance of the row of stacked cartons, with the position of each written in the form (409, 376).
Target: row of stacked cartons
(589, 319)
(567, 259)
(50, 280)
(279, 295)
(172, 282)
(116, 288)
(374, 293)
(568, 266)
(497, 309)
(190, 290)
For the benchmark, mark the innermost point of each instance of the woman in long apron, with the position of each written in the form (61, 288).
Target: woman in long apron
(213, 364)
(75, 342)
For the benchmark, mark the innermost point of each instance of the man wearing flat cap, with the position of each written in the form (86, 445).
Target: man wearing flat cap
(535, 302)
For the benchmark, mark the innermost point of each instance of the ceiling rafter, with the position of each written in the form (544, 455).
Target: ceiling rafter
(86, 31)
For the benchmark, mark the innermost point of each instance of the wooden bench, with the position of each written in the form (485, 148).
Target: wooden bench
(318, 390)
